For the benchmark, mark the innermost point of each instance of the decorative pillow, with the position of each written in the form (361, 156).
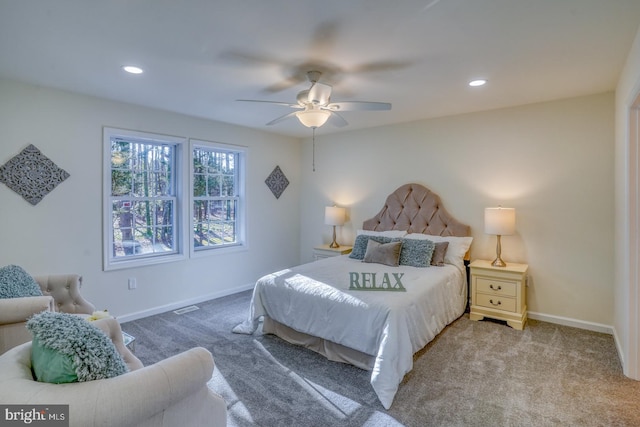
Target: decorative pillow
(457, 249)
(439, 252)
(360, 244)
(91, 353)
(388, 233)
(51, 366)
(416, 253)
(383, 253)
(17, 283)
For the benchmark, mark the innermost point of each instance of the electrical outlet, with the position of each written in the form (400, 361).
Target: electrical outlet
(132, 283)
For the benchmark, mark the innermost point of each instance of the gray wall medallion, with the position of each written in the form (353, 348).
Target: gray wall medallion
(31, 174)
(277, 182)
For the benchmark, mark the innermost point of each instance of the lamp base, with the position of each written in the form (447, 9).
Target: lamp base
(334, 244)
(498, 262)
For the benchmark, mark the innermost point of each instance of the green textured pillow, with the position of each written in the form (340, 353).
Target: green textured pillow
(361, 242)
(90, 351)
(51, 366)
(416, 253)
(17, 283)
(383, 253)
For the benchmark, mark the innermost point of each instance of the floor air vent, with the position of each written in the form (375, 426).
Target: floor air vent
(186, 309)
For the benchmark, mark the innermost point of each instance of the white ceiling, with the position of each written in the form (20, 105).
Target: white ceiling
(200, 56)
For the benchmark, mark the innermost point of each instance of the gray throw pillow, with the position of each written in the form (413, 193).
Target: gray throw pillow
(15, 282)
(360, 244)
(438, 254)
(383, 253)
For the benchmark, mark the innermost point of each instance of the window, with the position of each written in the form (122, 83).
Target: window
(142, 219)
(217, 196)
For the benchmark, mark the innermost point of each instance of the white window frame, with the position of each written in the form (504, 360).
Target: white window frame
(241, 209)
(179, 217)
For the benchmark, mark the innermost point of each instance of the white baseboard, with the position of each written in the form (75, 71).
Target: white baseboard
(179, 304)
(566, 321)
(616, 340)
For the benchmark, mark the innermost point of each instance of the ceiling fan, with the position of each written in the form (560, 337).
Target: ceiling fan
(315, 106)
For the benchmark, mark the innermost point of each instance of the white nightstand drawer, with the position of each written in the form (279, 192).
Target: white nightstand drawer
(497, 302)
(496, 287)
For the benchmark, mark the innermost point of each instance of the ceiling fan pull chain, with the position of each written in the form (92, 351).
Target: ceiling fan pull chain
(313, 160)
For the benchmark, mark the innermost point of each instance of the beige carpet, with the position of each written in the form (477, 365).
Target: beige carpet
(473, 374)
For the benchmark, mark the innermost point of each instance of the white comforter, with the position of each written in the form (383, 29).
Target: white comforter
(315, 299)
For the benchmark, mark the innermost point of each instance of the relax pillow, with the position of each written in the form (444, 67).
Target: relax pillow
(416, 253)
(383, 253)
(67, 348)
(360, 244)
(17, 283)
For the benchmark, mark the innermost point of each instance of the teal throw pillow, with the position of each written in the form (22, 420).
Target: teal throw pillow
(416, 253)
(51, 366)
(15, 282)
(92, 354)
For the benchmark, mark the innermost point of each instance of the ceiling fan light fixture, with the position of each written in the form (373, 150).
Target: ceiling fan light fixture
(132, 69)
(477, 82)
(313, 118)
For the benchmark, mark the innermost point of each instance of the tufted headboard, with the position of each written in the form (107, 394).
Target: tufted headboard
(417, 209)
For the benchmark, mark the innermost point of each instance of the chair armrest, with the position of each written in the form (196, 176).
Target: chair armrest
(141, 394)
(171, 392)
(65, 290)
(16, 310)
(111, 327)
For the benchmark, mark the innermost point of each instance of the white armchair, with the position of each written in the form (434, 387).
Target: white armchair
(60, 292)
(172, 392)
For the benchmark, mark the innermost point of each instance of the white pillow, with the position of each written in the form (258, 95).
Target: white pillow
(458, 246)
(389, 233)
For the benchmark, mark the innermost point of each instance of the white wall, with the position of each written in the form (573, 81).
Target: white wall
(627, 293)
(552, 161)
(63, 233)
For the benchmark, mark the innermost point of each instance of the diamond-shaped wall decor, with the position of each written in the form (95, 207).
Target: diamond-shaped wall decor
(31, 174)
(277, 182)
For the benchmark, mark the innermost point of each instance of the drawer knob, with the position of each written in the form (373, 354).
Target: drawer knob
(496, 288)
(495, 303)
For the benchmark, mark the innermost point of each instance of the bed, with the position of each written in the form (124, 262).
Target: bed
(361, 308)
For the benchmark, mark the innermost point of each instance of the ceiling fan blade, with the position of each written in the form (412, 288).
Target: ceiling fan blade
(359, 106)
(337, 120)
(281, 118)
(319, 93)
(286, 104)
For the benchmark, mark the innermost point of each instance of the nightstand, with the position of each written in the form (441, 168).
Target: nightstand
(324, 251)
(499, 292)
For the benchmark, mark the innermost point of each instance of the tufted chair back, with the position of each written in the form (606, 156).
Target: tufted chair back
(61, 293)
(65, 290)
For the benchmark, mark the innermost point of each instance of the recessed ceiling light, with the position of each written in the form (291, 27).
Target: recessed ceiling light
(478, 82)
(132, 69)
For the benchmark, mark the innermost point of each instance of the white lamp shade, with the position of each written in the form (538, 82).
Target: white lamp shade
(334, 215)
(500, 221)
(313, 118)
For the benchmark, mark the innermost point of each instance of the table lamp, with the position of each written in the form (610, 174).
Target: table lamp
(501, 222)
(334, 215)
